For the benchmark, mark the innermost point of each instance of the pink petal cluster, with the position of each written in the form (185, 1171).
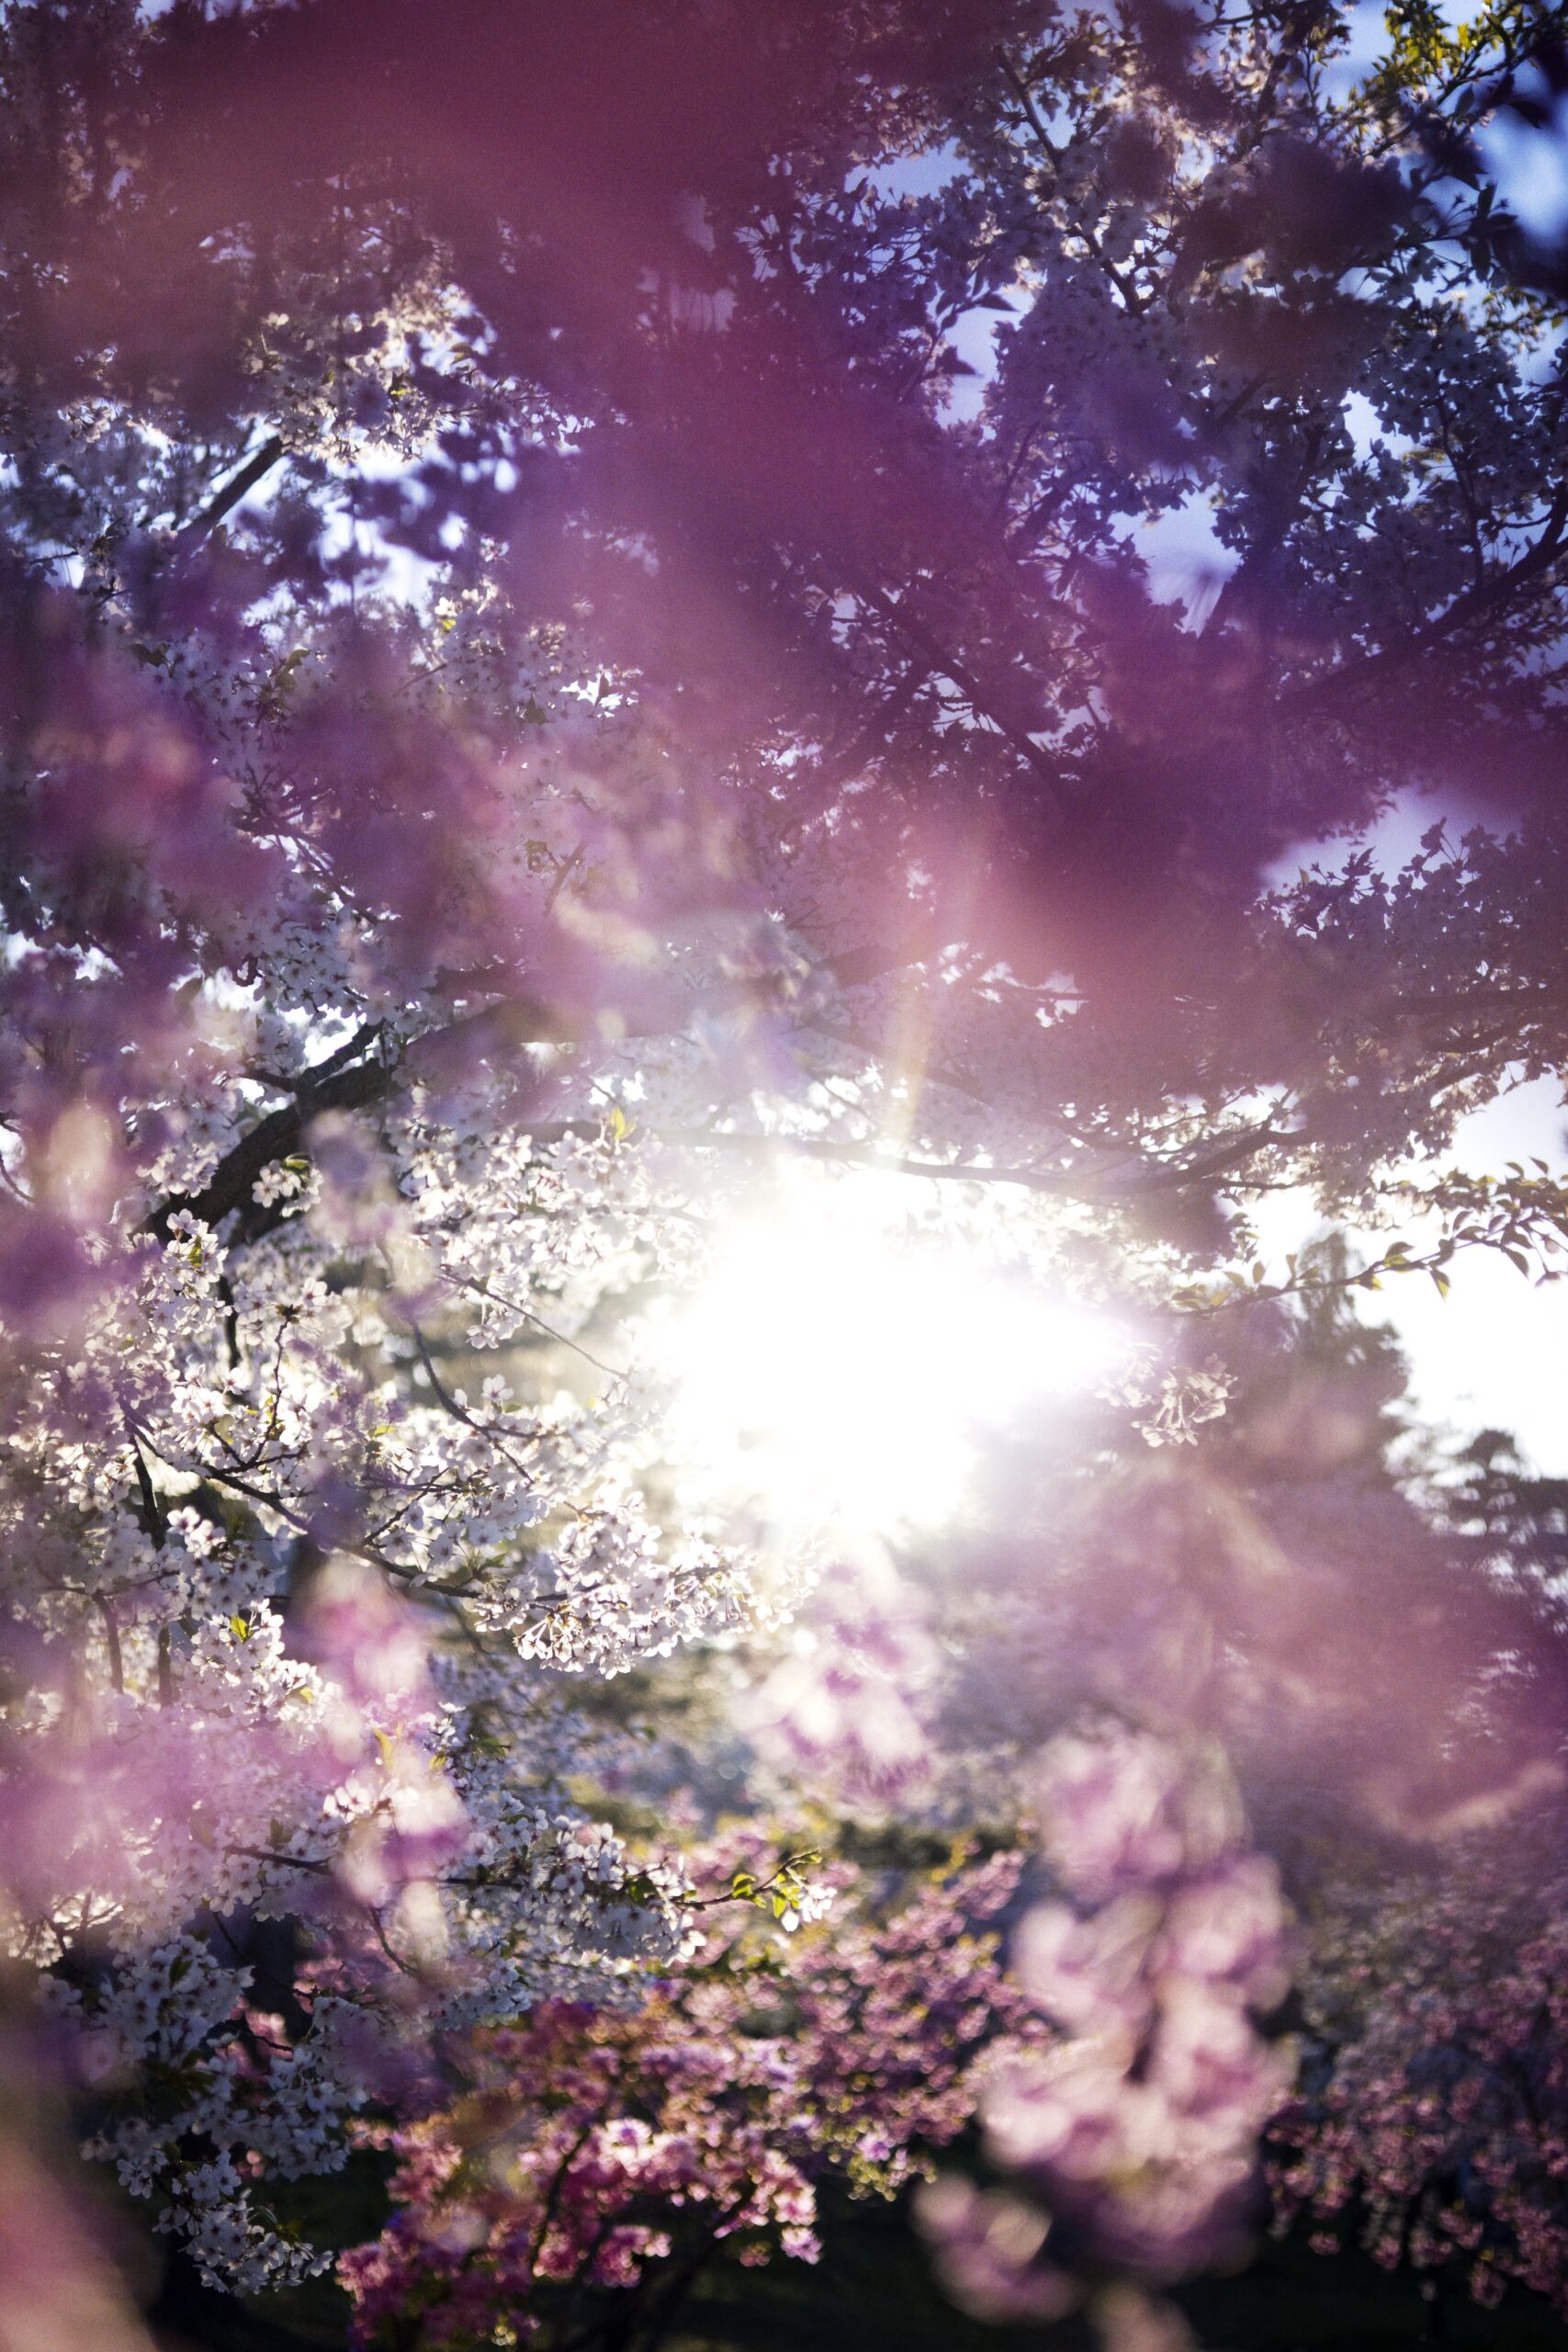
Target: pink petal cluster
(1434, 2112)
(841, 1710)
(605, 2149)
(1137, 2132)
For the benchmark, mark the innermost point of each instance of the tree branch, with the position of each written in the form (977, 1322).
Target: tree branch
(909, 625)
(1473, 605)
(228, 495)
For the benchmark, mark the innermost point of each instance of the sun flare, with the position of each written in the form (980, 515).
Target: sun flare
(841, 1363)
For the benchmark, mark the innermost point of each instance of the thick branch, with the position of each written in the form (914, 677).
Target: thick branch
(1153, 1176)
(228, 495)
(344, 1083)
(278, 1136)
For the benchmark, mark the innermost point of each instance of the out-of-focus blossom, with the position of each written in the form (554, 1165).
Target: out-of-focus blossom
(58, 2290)
(1128, 2320)
(1138, 2132)
(1134, 1810)
(1093, 1971)
(988, 2243)
(841, 1707)
(1227, 1927)
(59, 2294)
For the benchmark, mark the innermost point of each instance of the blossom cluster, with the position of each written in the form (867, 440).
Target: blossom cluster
(1432, 2119)
(340, 1794)
(1134, 2136)
(526, 697)
(602, 2150)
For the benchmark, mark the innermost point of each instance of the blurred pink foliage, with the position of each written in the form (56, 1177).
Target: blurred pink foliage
(1137, 2131)
(525, 694)
(841, 1711)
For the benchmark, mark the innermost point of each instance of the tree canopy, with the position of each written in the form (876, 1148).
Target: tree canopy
(664, 1530)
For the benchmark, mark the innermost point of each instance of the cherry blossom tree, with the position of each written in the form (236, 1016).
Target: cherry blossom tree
(1430, 2112)
(616, 2151)
(595, 728)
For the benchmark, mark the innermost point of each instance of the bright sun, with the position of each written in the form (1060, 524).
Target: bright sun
(837, 1363)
